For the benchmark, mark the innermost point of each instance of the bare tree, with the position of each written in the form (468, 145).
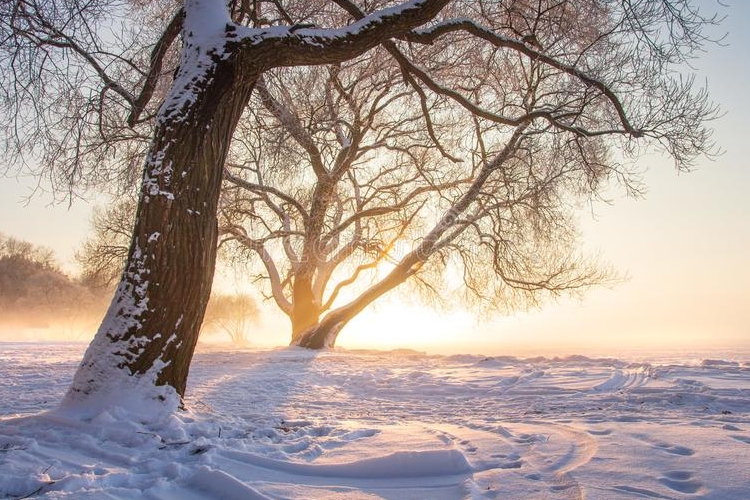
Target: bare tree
(39, 256)
(102, 257)
(233, 314)
(351, 180)
(35, 293)
(148, 336)
(149, 333)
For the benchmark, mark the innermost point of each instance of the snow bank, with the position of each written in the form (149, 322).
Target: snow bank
(219, 484)
(400, 464)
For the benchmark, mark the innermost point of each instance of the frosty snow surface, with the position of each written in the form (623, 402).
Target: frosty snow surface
(295, 424)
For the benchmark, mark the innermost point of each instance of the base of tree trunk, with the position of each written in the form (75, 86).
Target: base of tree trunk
(320, 336)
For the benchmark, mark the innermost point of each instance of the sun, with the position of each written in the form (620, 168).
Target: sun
(393, 324)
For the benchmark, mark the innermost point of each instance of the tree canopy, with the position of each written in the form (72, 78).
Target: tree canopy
(418, 162)
(520, 104)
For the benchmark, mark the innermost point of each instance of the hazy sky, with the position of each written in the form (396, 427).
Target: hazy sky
(685, 248)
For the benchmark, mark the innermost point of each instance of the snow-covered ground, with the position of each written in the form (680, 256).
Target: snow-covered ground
(292, 424)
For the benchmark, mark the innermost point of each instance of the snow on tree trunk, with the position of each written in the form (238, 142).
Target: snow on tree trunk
(142, 351)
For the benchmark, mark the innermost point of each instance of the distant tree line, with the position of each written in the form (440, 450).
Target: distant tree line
(36, 293)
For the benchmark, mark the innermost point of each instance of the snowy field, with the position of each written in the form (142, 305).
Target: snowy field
(291, 424)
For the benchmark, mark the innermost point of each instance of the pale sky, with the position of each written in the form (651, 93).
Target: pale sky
(685, 248)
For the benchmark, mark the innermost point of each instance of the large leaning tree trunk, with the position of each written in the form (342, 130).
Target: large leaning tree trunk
(143, 348)
(152, 325)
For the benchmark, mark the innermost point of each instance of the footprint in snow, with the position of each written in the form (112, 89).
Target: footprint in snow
(681, 481)
(600, 432)
(468, 446)
(525, 438)
(640, 492)
(743, 439)
(516, 464)
(676, 449)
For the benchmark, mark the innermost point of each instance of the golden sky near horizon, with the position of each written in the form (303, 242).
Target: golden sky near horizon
(685, 248)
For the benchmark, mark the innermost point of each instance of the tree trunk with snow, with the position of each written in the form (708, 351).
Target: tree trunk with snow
(152, 325)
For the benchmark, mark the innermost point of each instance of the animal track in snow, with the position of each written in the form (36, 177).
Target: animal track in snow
(666, 447)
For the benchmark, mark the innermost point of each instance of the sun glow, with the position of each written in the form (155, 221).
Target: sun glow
(394, 325)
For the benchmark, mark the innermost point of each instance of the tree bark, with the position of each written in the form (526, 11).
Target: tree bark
(323, 335)
(151, 328)
(305, 310)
